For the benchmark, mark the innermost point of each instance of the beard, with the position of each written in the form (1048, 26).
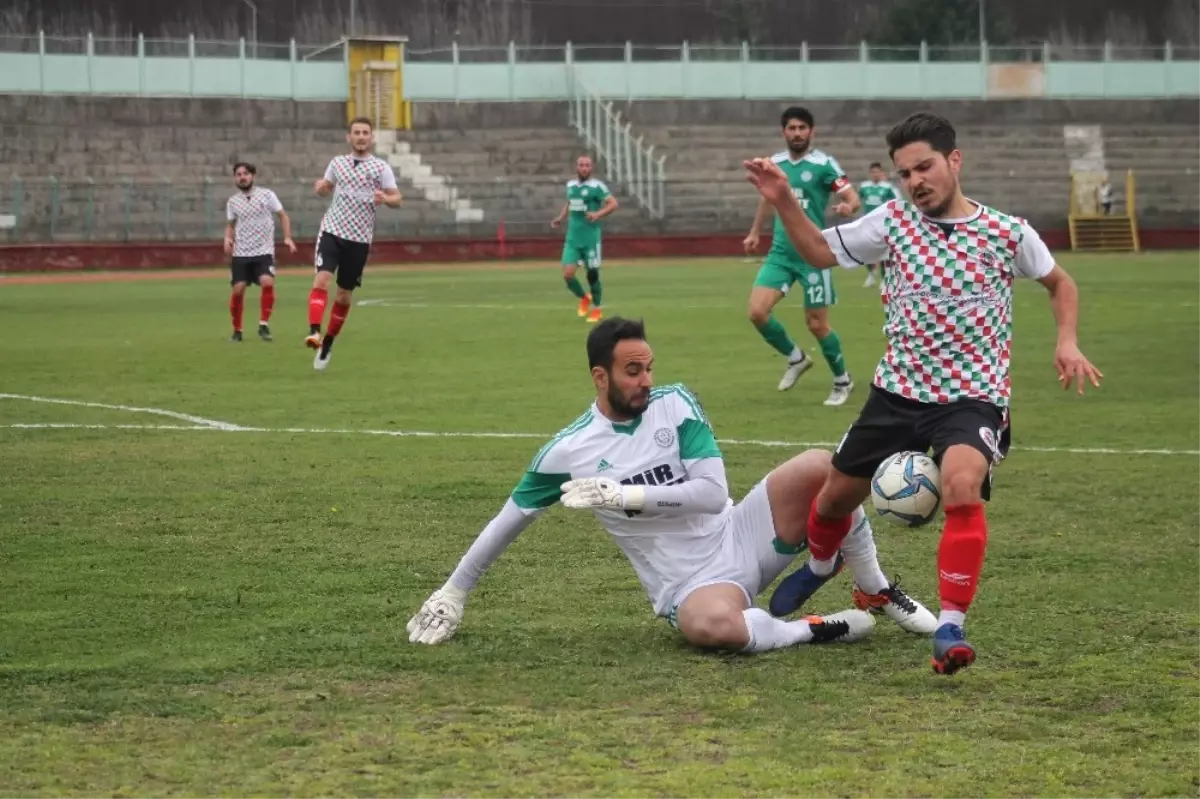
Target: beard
(620, 405)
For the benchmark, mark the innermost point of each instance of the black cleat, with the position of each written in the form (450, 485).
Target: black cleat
(237, 336)
(264, 333)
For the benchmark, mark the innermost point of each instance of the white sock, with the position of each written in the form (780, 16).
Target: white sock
(861, 558)
(822, 568)
(797, 355)
(956, 617)
(768, 632)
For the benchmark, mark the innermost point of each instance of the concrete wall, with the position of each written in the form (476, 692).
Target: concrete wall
(81, 111)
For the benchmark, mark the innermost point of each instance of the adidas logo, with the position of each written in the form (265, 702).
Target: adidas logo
(604, 466)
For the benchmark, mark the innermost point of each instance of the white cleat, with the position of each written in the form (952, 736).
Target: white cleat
(794, 370)
(840, 392)
(843, 627)
(324, 355)
(870, 281)
(909, 614)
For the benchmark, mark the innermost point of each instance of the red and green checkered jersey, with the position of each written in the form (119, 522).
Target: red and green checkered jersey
(875, 194)
(584, 197)
(253, 214)
(814, 179)
(947, 291)
(351, 214)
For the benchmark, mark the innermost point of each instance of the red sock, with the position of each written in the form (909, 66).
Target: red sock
(825, 535)
(960, 555)
(236, 303)
(266, 304)
(337, 318)
(316, 306)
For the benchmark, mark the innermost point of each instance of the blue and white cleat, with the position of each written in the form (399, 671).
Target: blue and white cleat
(951, 651)
(799, 586)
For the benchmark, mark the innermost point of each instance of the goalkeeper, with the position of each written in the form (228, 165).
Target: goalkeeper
(644, 460)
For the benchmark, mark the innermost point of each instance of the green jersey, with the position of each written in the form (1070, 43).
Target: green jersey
(875, 194)
(814, 179)
(584, 197)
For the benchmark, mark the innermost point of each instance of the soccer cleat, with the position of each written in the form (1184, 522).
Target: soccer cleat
(584, 304)
(870, 281)
(799, 586)
(794, 370)
(840, 392)
(323, 354)
(595, 316)
(237, 336)
(951, 651)
(313, 342)
(264, 332)
(843, 627)
(908, 613)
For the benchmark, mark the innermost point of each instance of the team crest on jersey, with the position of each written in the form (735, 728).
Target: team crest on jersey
(987, 260)
(806, 176)
(664, 436)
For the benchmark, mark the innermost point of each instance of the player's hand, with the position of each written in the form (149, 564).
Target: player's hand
(750, 243)
(592, 216)
(322, 187)
(768, 178)
(600, 492)
(291, 245)
(439, 616)
(380, 197)
(1072, 366)
(843, 209)
(228, 245)
(554, 223)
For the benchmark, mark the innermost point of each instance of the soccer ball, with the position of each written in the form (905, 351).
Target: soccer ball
(907, 489)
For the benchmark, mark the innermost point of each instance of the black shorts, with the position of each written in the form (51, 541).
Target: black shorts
(344, 258)
(251, 268)
(890, 423)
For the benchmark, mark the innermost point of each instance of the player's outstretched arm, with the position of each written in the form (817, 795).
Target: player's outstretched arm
(706, 491)
(1070, 363)
(806, 237)
(439, 616)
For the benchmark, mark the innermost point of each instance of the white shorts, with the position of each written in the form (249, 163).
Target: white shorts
(747, 557)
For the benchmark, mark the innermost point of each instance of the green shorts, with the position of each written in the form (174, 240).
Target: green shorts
(585, 255)
(779, 272)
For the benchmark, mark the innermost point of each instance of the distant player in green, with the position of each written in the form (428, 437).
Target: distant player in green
(815, 177)
(874, 193)
(588, 201)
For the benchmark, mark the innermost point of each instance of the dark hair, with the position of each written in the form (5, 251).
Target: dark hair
(796, 112)
(604, 338)
(249, 167)
(360, 121)
(875, 165)
(932, 129)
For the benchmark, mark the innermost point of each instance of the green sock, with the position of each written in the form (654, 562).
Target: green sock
(576, 287)
(831, 348)
(594, 283)
(776, 336)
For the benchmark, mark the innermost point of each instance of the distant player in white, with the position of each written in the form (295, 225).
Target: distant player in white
(644, 460)
(250, 239)
(359, 182)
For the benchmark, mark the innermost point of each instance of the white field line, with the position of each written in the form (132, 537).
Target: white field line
(183, 417)
(737, 442)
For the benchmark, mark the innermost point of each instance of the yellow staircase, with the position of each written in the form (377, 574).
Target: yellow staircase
(1091, 229)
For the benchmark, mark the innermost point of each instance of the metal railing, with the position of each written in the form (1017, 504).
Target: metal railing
(630, 162)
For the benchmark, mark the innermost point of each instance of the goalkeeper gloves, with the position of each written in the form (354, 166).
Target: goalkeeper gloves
(438, 618)
(600, 492)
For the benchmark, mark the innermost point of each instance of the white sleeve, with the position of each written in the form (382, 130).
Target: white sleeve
(330, 175)
(705, 491)
(1033, 256)
(860, 242)
(229, 214)
(387, 178)
(501, 531)
(273, 202)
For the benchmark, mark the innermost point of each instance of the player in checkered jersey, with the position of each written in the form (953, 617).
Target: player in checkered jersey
(949, 264)
(358, 182)
(250, 240)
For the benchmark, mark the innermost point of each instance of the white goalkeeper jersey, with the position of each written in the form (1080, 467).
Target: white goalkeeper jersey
(655, 449)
